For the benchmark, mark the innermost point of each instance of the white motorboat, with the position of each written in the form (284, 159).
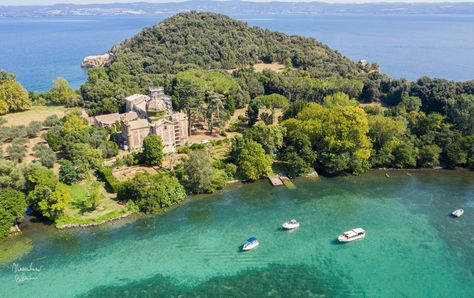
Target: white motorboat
(252, 243)
(457, 213)
(290, 225)
(354, 234)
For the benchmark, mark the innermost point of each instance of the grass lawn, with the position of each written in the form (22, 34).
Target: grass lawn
(36, 113)
(107, 208)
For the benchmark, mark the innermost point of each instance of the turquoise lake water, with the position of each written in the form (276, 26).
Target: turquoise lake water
(39, 50)
(413, 248)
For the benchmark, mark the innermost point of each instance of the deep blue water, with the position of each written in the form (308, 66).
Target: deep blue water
(39, 50)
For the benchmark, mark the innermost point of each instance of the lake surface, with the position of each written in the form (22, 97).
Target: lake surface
(39, 50)
(412, 248)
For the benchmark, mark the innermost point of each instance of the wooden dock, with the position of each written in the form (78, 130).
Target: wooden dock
(275, 180)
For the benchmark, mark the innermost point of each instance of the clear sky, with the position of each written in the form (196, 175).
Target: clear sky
(46, 2)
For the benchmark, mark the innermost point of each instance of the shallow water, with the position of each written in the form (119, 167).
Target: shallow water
(412, 248)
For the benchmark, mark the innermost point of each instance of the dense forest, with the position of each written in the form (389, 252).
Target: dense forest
(401, 124)
(194, 40)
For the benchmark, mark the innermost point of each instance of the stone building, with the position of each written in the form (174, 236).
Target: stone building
(155, 116)
(146, 115)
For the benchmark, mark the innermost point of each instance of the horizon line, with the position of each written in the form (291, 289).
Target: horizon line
(358, 2)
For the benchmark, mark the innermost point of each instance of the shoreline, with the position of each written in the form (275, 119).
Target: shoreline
(94, 224)
(228, 184)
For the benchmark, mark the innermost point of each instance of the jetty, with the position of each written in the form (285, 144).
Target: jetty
(287, 182)
(275, 180)
(280, 180)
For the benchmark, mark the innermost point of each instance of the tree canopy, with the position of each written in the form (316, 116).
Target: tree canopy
(13, 97)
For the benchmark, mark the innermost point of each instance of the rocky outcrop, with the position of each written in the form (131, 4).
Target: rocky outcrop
(97, 61)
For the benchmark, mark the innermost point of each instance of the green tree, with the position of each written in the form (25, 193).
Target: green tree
(94, 196)
(17, 150)
(297, 166)
(405, 154)
(67, 172)
(33, 129)
(53, 138)
(4, 108)
(83, 156)
(460, 111)
(14, 96)
(45, 155)
(338, 135)
(74, 123)
(61, 92)
(271, 102)
(12, 207)
(199, 175)
(454, 154)
(215, 110)
(429, 156)
(151, 193)
(253, 163)
(384, 133)
(152, 150)
(47, 195)
(11, 175)
(52, 203)
(339, 99)
(269, 136)
(252, 114)
(188, 96)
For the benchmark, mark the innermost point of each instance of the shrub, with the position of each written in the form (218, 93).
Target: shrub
(33, 129)
(112, 182)
(46, 156)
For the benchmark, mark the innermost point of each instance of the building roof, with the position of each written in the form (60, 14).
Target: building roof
(137, 98)
(107, 119)
(136, 124)
(156, 105)
(129, 116)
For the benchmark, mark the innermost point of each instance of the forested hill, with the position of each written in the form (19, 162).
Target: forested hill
(215, 41)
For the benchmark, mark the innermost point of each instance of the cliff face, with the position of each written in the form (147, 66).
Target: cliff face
(97, 61)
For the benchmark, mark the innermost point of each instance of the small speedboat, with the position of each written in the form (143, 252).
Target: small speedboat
(252, 243)
(354, 234)
(457, 213)
(290, 225)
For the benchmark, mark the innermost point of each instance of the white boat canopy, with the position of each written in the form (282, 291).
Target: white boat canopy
(350, 234)
(359, 230)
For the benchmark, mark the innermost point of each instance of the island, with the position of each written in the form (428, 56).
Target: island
(201, 100)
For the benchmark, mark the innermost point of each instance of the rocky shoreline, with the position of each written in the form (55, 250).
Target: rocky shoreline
(92, 224)
(97, 61)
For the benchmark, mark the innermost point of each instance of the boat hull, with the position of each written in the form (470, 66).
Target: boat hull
(343, 238)
(457, 213)
(251, 246)
(288, 226)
